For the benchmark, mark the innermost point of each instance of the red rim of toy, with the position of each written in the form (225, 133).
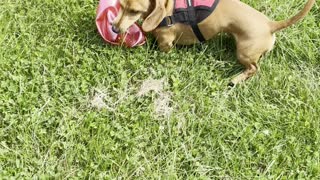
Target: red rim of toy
(133, 37)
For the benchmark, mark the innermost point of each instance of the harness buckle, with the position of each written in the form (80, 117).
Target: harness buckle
(169, 21)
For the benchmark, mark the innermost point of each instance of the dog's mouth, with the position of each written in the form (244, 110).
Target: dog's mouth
(117, 30)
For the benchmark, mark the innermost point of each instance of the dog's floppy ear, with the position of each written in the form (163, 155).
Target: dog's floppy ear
(155, 17)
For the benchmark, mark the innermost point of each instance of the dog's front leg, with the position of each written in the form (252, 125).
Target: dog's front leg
(165, 46)
(165, 40)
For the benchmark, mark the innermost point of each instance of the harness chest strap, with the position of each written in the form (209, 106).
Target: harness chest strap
(190, 12)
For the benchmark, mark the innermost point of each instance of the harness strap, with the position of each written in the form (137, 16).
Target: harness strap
(186, 17)
(193, 21)
(198, 33)
(181, 17)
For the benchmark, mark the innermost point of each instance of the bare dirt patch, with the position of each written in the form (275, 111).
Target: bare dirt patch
(162, 103)
(99, 100)
(149, 85)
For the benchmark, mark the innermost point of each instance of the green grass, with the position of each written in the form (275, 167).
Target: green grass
(52, 60)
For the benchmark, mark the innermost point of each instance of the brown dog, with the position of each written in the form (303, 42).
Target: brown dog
(253, 31)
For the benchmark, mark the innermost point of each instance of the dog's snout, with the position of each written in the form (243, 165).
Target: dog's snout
(115, 29)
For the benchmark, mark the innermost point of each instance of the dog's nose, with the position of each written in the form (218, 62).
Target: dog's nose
(115, 29)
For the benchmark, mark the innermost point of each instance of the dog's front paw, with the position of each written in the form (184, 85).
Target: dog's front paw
(165, 47)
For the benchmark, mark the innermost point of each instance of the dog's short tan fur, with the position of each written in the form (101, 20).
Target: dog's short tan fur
(253, 31)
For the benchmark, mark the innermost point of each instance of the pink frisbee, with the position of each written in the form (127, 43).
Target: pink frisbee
(106, 13)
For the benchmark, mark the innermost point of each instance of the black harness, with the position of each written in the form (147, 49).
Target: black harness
(191, 15)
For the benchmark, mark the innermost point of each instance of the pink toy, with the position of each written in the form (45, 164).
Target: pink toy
(106, 12)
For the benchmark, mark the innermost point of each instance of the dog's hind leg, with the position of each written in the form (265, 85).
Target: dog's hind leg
(251, 68)
(249, 51)
(249, 58)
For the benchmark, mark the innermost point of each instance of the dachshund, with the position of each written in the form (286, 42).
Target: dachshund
(254, 33)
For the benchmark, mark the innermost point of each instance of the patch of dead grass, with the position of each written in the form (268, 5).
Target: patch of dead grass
(162, 103)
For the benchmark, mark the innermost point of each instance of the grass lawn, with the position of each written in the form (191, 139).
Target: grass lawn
(73, 106)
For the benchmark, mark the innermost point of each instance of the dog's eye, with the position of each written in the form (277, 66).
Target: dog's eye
(133, 12)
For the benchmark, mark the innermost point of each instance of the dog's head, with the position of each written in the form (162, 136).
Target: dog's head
(132, 10)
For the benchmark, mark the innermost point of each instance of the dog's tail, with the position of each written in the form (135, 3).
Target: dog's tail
(278, 25)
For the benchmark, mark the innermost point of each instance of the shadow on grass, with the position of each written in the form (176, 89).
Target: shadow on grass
(221, 48)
